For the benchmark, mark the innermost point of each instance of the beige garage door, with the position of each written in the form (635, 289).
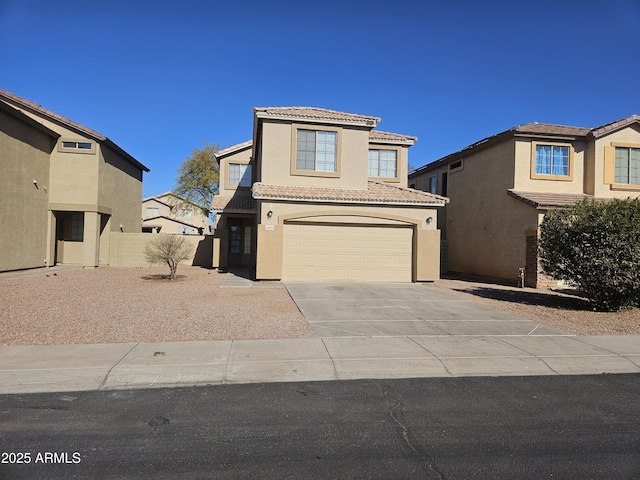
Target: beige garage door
(358, 253)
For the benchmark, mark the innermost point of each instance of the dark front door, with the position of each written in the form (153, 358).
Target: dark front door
(241, 249)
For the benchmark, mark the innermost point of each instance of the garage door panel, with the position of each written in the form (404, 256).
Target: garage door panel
(358, 253)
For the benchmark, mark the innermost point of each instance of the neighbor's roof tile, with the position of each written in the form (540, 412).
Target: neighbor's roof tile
(551, 129)
(376, 193)
(379, 135)
(542, 200)
(316, 114)
(235, 203)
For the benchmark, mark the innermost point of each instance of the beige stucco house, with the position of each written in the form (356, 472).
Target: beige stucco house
(320, 195)
(501, 187)
(170, 213)
(64, 188)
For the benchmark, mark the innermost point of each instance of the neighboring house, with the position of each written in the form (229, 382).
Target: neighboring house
(64, 188)
(170, 213)
(501, 187)
(320, 195)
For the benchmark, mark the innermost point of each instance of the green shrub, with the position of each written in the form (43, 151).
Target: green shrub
(595, 245)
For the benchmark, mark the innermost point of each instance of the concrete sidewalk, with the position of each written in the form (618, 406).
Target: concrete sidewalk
(61, 368)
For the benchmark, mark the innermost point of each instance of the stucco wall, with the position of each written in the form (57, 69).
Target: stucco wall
(523, 164)
(485, 226)
(24, 157)
(126, 249)
(278, 142)
(120, 189)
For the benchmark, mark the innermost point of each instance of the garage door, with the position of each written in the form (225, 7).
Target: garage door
(337, 252)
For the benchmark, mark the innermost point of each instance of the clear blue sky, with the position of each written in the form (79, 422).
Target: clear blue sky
(159, 77)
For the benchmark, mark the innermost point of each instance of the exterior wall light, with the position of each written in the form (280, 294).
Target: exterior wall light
(429, 220)
(269, 214)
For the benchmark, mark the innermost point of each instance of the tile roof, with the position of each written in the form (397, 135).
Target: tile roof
(316, 114)
(236, 203)
(171, 194)
(379, 135)
(147, 221)
(543, 200)
(234, 148)
(376, 193)
(56, 118)
(551, 129)
(609, 127)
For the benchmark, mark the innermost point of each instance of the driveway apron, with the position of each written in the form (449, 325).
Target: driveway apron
(402, 309)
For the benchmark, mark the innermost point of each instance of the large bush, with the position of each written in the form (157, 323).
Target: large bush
(595, 245)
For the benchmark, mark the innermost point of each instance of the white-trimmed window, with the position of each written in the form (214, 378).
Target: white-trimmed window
(152, 212)
(239, 175)
(77, 145)
(627, 166)
(552, 160)
(383, 163)
(316, 150)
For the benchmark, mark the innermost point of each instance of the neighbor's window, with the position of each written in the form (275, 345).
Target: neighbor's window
(316, 150)
(77, 145)
(77, 227)
(432, 185)
(383, 163)
(552, 160)
(628, 165)
(239, 175)
(186, 213)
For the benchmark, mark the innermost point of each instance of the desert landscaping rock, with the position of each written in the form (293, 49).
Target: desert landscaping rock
(119, 305)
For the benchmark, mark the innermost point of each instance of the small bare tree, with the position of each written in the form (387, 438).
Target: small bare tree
(169, 249)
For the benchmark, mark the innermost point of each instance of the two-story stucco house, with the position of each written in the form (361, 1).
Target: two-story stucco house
(320, 195)
(500, 188)
(64, 188)
(170, 213)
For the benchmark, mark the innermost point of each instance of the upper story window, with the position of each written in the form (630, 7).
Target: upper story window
(627, 165)
(316, 150)
(239, 175)
(152, 212)
(186, 213)
(383, 163)
(552, 161)
(433, 185)
(78, 145)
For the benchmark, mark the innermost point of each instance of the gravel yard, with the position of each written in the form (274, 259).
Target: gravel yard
(567, 312)
(110, 305)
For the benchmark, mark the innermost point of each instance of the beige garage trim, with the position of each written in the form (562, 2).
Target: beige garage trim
(313, 252)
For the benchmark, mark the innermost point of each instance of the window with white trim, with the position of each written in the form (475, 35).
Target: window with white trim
(383, 163)
(552, 160)
(239, 175)
(316, 150)
(78, 145)
(152, 212)
(627, 165)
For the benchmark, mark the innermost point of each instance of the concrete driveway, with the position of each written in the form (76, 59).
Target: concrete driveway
(402, 309)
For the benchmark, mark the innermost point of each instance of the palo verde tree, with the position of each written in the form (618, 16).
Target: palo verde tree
(169, 249)
(198, 176)
(595, 246)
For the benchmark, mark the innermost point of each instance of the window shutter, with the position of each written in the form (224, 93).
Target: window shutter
(609, 165)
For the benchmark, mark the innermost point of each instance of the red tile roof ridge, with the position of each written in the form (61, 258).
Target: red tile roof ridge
(390, 135)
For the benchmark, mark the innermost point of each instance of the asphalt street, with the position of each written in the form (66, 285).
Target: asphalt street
(562, 427)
